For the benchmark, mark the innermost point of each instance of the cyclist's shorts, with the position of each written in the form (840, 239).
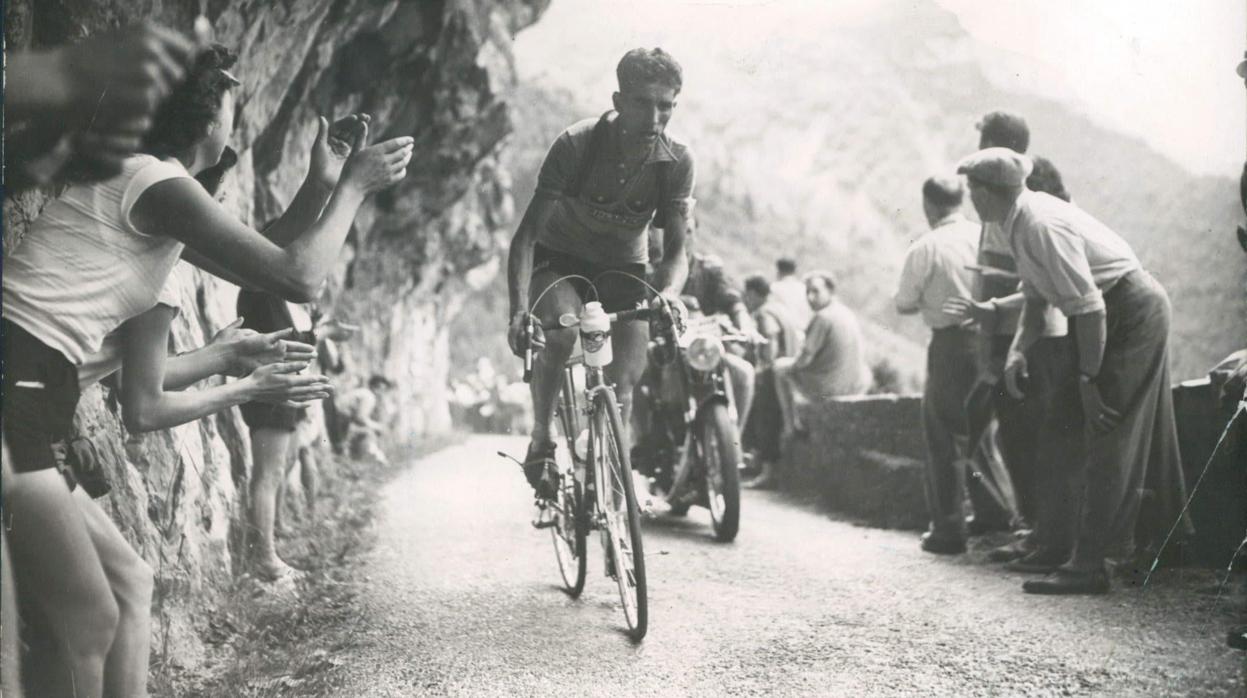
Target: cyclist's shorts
(616, 292)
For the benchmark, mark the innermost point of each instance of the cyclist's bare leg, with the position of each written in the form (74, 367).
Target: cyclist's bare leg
(629, 345)
(548, 363)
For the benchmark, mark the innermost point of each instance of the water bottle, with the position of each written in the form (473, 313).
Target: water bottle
(582, 445)
(595, 335)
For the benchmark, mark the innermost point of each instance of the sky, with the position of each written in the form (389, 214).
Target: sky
(1162, 70)
(1159, 69)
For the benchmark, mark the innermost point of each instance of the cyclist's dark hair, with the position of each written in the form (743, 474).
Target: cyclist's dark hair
(642, 66)
(1046, 178)
(758, 284)
(183, 119)
(785, 266)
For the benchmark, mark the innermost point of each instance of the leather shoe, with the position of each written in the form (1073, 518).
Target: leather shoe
(1011, 551)
(1237, 638)
(1040, 561)
(1065, 581)
(943, 545)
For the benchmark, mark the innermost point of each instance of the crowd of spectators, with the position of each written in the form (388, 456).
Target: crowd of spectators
(1044, 320)
(136, 124)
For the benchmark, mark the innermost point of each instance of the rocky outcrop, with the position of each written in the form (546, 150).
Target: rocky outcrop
(438, 70)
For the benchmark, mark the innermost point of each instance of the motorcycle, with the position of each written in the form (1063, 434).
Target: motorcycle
(690, 451)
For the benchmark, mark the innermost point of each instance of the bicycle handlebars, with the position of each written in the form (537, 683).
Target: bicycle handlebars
(567, 321)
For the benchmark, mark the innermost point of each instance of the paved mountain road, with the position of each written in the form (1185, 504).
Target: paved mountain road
(463, 597)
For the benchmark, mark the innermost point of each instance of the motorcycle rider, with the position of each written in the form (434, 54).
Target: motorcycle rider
(601, 185)
(718, 294)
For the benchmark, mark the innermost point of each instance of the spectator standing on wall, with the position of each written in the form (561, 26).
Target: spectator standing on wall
(783, 339)
(831, 361)
(789, 290)
(936, 268)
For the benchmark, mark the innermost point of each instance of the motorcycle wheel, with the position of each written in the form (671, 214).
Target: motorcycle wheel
(720, 448)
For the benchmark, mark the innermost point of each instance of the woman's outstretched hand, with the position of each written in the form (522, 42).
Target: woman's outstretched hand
(247, 350)
(282, 384)
(371, 168)
(334, 145)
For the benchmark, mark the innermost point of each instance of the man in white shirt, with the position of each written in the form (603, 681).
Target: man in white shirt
(789, 290)
(1131, 476)
(938, 267)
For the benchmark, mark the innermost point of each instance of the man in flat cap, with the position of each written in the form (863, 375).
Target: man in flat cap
(601, 186)
(1120, 314)
(1026, 456)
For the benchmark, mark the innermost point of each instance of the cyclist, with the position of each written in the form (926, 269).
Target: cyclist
(602, 184)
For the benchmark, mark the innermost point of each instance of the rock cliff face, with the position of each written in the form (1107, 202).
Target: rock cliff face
(434, 69)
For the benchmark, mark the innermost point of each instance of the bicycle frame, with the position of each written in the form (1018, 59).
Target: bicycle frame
(576, 417)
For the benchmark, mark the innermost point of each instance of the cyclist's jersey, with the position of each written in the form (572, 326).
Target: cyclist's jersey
(604, 218)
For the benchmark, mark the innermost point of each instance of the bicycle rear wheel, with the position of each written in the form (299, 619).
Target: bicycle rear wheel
(620, 511)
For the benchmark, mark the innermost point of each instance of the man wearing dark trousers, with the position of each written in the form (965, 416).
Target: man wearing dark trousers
(1037, 431)
(1017, 419)
(937, 267)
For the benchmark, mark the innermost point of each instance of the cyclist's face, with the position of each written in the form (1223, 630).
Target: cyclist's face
(644, 111)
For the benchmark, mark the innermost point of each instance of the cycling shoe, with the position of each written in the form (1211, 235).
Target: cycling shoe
(539, 468)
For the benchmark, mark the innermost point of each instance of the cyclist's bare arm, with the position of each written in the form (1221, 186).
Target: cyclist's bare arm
(520, 259)
(672, 272)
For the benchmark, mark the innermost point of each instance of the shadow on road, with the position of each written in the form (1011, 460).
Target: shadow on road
(679, 528)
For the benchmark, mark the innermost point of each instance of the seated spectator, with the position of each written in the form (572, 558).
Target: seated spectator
(95, 262)
(783, 339)
(361, 410)
(831, 360)
(789, 290)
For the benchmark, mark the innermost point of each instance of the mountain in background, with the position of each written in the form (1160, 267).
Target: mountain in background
(813, 143)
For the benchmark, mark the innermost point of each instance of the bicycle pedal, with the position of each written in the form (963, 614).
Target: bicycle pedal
(550, 523)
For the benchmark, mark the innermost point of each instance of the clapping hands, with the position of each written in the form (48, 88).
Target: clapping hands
(248, 350)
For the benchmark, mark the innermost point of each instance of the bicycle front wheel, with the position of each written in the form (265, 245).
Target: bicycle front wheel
(569, 530)
(620, 511)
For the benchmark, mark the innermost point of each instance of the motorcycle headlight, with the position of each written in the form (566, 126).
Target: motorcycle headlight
(704, 353)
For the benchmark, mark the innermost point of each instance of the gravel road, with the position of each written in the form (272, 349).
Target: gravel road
(462, 597)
